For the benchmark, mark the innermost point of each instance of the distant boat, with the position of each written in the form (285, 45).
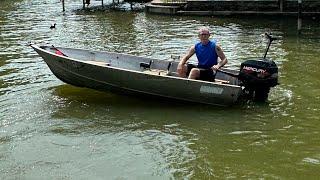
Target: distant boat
(126, 73)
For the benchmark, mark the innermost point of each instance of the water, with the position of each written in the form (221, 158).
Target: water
(50, 130)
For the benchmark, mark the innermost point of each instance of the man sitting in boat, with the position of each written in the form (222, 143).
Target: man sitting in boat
(207, 53)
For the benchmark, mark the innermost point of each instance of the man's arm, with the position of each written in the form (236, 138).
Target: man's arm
(222, 56)
(181, 69)
(186, 57)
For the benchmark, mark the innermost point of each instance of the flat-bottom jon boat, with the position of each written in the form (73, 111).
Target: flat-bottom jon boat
(126, 73)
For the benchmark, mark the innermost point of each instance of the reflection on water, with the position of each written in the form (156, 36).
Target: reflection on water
(50, 129)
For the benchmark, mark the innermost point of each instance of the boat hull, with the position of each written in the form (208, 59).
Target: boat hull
(108, 78)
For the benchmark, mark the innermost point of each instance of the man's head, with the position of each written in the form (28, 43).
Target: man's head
(204, 34)
(204, 30)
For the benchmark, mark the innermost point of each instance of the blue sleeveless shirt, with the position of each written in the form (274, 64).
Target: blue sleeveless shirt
(206, 54)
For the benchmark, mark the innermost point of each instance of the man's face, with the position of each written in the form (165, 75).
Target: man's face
(204, 35)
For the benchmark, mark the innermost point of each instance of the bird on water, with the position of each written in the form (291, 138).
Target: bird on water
(53, 26)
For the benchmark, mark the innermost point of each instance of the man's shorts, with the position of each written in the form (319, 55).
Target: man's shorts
(205, 74)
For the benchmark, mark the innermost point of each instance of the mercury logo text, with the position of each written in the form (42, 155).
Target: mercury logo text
(254, 69)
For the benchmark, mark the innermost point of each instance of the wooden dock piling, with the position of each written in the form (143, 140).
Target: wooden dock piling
(63, 9)
(299, 16)
(281, 5)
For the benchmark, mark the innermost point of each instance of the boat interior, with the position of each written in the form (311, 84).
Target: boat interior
(134, 63)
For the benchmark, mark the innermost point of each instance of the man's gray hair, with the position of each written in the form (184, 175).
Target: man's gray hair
(204, 29)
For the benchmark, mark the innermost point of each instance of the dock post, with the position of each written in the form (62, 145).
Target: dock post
(63, 9)
(102, 3)
(281, 5)
(299, 16)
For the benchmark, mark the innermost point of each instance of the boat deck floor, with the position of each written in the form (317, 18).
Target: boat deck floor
(158, 72)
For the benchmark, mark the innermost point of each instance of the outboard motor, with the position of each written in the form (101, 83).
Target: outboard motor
(258, 76)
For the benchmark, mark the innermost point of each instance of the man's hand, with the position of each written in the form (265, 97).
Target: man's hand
(180, 69)
(215, 67)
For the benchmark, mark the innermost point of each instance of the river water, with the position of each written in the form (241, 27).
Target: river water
(51, 130)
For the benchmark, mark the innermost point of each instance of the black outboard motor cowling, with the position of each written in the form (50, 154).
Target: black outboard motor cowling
(258, 76)
(255, 73)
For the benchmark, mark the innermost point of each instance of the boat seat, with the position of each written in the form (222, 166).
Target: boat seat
(145, 65)
(164, 69)
(175, 74)
(156, 72)
(222, 81)
(172, 69)
(99, 63)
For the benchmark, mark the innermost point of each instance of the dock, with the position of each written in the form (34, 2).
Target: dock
(234, 7)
